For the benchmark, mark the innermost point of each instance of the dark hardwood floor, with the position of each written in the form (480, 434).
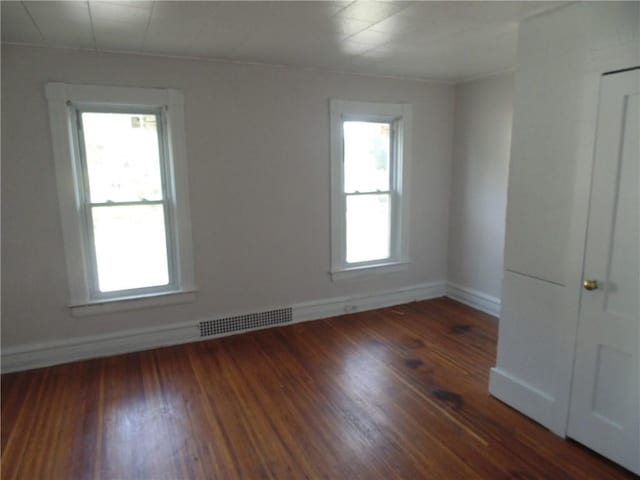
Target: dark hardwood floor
(399, 392)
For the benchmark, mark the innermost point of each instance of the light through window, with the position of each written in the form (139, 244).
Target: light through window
(370, 160)
(125, 197)
(123, 191)
(367, 188)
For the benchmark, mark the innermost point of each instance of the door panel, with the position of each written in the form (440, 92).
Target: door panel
(605, 399)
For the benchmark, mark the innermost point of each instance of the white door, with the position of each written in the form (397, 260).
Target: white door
(605, 398)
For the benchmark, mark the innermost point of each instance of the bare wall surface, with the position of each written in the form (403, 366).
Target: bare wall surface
(481, 147)
(258, 155)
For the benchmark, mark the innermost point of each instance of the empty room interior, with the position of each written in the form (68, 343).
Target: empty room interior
(320, 239)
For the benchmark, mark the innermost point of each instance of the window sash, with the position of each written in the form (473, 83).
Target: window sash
(393, 192)
(86, 206)
(372, 192)
(392, 144)
(126, 204)
(392, 224)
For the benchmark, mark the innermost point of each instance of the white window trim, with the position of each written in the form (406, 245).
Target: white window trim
(68, 174)
(401, 113)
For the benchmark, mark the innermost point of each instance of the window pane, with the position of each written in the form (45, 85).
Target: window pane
(368, 227)
(122, 156)
(131, 249)
(366, 156)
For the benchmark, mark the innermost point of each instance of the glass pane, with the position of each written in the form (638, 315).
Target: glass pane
(122, 156)
(367, 148)
(131, 249)
(368, 227)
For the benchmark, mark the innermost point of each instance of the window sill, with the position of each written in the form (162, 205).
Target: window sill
(132, 303)
(379, 269)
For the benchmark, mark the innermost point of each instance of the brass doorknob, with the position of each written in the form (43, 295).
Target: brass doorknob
(590, 284)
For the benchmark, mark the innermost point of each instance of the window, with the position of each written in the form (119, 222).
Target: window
(370, 152)
(121, 173)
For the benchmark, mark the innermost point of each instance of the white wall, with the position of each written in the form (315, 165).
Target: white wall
(258, 153)
(481, 148)
(561, 56)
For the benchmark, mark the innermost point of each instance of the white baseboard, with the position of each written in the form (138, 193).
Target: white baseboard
(83, 348)
(58, 352)
(527, 399)
(357, 303)
(474, 298)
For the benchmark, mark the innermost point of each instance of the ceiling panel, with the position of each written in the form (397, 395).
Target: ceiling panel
(371, 11)
(17, 24)
(447, 41)
(65, 24)
(174, 26)
(120, 25)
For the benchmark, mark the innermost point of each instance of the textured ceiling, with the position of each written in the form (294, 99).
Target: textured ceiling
(444, 41)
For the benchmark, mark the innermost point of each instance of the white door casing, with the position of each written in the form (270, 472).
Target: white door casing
(605, 399)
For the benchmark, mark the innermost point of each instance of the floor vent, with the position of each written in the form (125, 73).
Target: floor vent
(245, 322)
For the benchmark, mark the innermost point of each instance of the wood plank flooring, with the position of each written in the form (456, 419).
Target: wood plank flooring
(399, 392)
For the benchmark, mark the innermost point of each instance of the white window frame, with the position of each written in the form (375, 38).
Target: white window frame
(399, 115)
(66, 101)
